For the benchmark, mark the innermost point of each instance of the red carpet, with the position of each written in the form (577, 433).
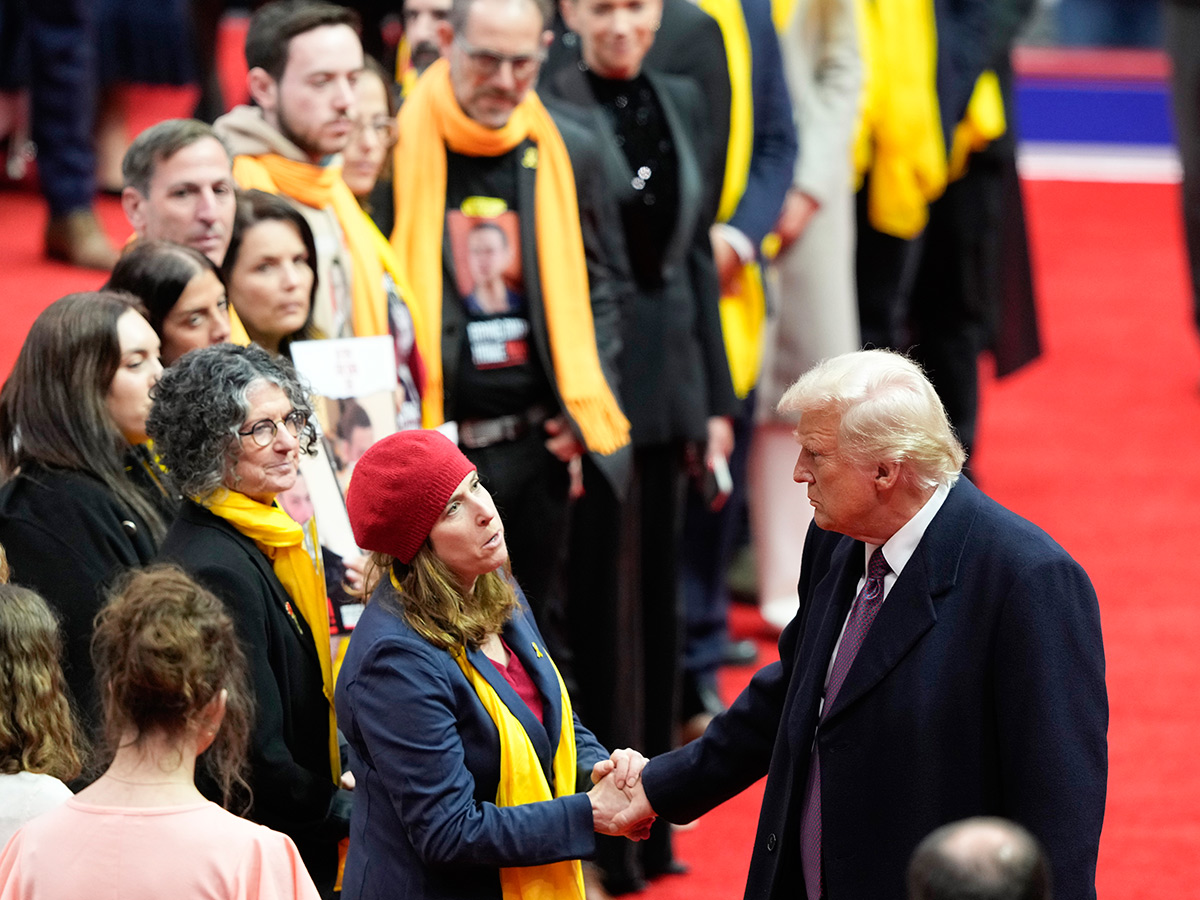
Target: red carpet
(1098, 443)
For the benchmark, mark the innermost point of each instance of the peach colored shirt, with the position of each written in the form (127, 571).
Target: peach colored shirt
(194, 851)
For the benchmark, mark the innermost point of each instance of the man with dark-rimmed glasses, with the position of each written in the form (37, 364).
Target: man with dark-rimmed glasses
(526, 385)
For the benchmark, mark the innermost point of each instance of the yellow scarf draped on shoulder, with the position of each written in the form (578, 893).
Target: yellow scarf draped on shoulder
(322, 187)
(523, 781)
(729, 16)
(900, 138)
(744, 307)
(281, 540)
(431, 121)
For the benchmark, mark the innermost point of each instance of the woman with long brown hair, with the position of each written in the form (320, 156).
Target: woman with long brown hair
(175, 698)
(38, 734)
(82, 498)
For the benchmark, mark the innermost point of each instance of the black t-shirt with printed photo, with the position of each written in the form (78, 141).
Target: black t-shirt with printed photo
(499, 371)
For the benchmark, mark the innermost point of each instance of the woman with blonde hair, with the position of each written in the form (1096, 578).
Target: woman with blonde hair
(175, 697)
(38, 735)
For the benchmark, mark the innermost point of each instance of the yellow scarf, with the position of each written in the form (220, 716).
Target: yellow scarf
(320, 187)
(744, 308)
(900, 138)
(431, 121)
(729, 16)
(281, 540)
(523, 781)
(983, 123)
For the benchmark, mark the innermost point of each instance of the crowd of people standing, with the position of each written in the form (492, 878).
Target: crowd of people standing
(585, 232)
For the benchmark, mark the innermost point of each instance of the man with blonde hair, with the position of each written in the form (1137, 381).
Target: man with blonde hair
(946, 661)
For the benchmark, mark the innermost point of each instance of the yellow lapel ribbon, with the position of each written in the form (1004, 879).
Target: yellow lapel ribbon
(281, 540)
(320, 187)
(523, 781)
(431, 121)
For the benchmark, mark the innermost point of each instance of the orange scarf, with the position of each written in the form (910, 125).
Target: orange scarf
(320, 187)
(431, 121)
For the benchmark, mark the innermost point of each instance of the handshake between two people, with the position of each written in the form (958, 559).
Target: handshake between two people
(619, 804)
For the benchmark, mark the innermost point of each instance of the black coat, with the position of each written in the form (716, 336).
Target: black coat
(609, 281)
(290, 777)
(68, 536)
(978, 691)
(673, 370)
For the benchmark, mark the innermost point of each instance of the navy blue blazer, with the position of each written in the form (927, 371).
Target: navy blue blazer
(978, 691)
(426, 760)
(773, 157)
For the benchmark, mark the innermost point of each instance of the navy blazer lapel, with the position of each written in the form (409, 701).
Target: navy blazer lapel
(525, 643)
(822, 623)
(910, 608)
(517, 706)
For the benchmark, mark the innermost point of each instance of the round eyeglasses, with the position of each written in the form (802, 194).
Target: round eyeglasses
(263, 432)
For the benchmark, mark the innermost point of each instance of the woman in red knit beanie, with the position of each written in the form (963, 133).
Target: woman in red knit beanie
(475, 778)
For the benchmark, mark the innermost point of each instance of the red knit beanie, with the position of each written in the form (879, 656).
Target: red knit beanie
(399, 488)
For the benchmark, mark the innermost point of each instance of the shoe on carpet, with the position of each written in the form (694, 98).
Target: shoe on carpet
(79, 239)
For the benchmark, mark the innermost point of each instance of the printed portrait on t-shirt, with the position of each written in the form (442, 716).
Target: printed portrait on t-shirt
(487, 259)
(485, 240)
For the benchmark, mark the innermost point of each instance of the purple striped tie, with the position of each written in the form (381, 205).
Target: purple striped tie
(866, 605)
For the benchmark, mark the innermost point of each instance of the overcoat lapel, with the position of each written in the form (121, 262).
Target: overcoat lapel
(910, 609)
(822, 623)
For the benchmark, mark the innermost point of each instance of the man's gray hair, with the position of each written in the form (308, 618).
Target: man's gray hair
(460, 9)
(160, 142)
(982, 858)
(200, 404)
(888, 409)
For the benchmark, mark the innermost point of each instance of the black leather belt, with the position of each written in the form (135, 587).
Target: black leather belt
(475, 434)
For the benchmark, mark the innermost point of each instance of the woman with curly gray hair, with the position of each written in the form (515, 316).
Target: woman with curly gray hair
(229, 424)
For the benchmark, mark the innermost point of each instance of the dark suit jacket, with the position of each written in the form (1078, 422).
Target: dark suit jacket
(67, 537)
(979, 690)
(673, 370)
(688, 43)
(290, 776)
(608, 280)
(426, 759)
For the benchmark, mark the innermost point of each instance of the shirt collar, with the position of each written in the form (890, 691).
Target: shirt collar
(900, 547)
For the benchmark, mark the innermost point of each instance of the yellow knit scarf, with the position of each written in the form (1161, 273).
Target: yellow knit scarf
(431, 121)
(320, 187)
(523, 781)
(281, 540)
